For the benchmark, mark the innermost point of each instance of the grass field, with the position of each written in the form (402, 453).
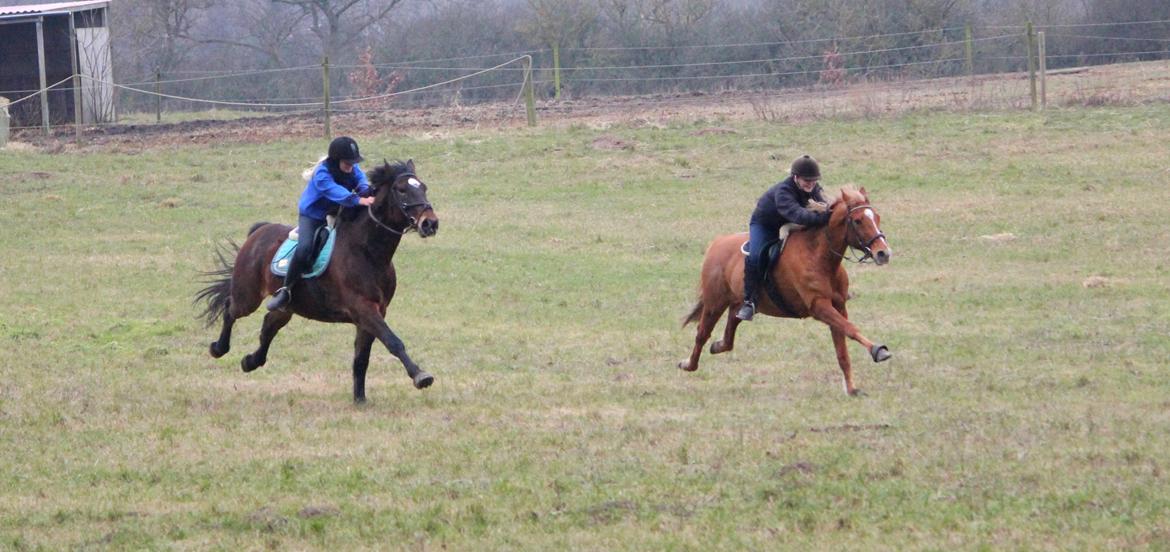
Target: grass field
(1027, 405)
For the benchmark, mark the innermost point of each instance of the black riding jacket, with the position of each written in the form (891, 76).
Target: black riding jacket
(785, 202)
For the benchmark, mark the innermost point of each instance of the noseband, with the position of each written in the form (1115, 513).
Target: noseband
(856, 233)
(402, 206)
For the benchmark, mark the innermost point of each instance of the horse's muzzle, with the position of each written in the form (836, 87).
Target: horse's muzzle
(881, 257)
(428, 227)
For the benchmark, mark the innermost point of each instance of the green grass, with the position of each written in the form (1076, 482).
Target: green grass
(1021, 410)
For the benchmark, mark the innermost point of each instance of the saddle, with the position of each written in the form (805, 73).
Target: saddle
(768, 259)
(322, 252)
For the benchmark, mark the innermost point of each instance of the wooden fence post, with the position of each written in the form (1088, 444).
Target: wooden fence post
(1032, 65)
(3, 122)
(325, 77)
(157, 95)
(556, 71)
(529, 95)
(1043, 72)
(970, 47)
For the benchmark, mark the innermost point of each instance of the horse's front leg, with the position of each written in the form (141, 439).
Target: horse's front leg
(823, 310)
(843, 361)
(370, 321)
(273, 322)
(361, 360)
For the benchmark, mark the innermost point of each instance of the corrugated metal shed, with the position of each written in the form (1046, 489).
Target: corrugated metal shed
(52, 7)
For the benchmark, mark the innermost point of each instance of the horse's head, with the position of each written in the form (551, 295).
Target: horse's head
(400, 202)
(863, 225)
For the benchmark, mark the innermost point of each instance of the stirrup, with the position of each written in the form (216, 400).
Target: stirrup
(280, 299)
(746, 311)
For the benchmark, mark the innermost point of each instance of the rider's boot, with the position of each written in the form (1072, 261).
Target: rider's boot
(283, 296)
(749, 293)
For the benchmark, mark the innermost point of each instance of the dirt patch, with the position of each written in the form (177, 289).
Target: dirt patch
(714, 130)
(611, 143)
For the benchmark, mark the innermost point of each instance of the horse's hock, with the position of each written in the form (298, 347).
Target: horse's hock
(3, 121)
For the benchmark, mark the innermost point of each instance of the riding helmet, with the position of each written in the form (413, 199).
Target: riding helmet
(344, 148)
(806, 167)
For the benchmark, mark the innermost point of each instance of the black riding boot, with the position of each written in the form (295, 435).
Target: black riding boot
(749, 292)
(283, 295)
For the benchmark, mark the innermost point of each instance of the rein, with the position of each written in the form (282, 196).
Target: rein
(852, 228)
(413, 225)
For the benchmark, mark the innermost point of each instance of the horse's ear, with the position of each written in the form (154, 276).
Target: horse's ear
(385, 163)
(410, 165)
(863, 194)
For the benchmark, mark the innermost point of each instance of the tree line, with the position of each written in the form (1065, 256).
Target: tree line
(602, 46)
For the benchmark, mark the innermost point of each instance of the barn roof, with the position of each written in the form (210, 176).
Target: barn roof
(52, 7)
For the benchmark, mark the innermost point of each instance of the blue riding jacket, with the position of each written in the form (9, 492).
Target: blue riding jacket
(323, 192)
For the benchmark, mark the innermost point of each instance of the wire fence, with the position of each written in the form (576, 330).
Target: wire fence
(828, 68)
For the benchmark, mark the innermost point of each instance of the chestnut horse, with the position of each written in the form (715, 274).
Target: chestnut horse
(808, 279)
(356, 288)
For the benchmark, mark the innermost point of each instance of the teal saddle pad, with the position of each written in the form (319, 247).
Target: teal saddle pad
(284, 256)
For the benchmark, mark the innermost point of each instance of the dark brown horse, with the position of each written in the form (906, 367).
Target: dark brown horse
(809, 280)
(356, 288)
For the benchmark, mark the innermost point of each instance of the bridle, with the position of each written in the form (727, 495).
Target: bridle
(852, 228)
(402, 206)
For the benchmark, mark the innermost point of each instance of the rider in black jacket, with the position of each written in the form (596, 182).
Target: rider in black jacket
(786, 202)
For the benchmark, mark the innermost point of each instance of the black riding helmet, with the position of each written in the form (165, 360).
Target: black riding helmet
(806, 167)
(344, 148)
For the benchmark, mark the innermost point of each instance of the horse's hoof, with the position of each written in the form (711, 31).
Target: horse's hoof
(879, 352)
(216, 352)
(248, 364)
(423, 380)
(686, 366)
(858, 393)
(359, 401)
(717, 347)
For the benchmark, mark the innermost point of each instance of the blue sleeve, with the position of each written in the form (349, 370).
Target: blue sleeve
(331, 190)
(790, 208)
(363, 186)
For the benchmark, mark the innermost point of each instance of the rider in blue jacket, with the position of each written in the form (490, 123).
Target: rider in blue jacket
(785, 202)
(336, 181)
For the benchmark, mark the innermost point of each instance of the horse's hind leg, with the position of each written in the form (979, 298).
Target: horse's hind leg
(273, 322)
(361, 360)
(222, 345)
(707, 322)
(728, 341)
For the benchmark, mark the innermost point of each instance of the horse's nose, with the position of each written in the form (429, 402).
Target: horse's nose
(881, 257)
(428, 227)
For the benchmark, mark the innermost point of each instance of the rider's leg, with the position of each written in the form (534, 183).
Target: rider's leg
(302, 261)
(758, 235)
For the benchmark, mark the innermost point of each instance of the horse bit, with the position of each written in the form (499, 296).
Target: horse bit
(403, 206)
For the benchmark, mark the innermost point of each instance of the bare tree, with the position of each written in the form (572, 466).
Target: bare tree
(338, 23)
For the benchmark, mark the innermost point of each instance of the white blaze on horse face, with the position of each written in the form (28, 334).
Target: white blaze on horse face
(869, 213)
(414, 182)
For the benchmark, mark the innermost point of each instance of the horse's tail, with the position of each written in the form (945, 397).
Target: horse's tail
(694, 314)
(218, 294)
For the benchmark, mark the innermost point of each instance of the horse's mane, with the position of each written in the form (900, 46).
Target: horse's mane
(846, 190)
(382, 175)
(387, 173)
